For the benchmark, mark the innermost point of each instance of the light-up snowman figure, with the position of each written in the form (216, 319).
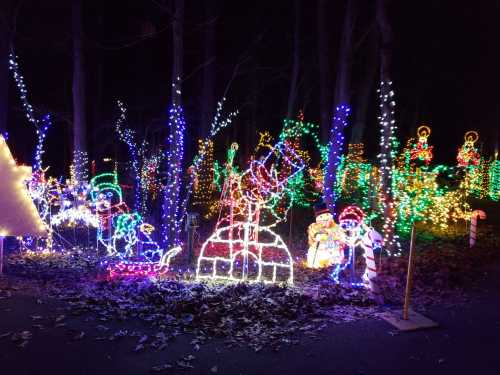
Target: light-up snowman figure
(124, 234)
(246, 249)
(336, 244)
(325, 248)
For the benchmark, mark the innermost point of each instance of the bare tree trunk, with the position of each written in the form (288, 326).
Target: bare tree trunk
(171, 222)
(324, 72)
(292, 95)
(387, 122)
(365, 91)
(5, 50)
(385, 40)
(79, 113)
(341, 108)
(97, 95)
(342, 94)
(208, 88)
(178, 54)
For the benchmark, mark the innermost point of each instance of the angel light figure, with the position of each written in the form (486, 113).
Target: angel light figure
(245, 249)
(422, 151)
(467, 154)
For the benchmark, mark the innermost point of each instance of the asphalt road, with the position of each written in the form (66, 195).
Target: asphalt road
(467, 342)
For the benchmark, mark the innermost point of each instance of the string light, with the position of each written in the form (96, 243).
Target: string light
(205, 187)
(218, 123)
(356, 178)
(171, 220)
(41, 128)
(388, 145)
(73, 217)
(494, 180)
(80, 165)
(137, 154)
(334, 155)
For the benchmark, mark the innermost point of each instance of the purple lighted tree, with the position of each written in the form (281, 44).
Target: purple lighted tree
(336, 146)
(171, 220)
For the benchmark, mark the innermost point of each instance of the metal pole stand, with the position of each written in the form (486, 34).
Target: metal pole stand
(191, 225)
(407, 319)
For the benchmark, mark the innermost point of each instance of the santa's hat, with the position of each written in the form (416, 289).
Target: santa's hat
(320, 208)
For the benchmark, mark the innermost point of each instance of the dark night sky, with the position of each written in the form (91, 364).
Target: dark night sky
(445, 68)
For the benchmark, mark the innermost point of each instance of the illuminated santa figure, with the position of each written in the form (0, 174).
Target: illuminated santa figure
(324, 246)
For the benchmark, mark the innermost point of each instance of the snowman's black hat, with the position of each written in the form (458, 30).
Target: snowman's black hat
(320, 208)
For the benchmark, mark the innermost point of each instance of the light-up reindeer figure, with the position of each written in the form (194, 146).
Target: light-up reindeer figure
(245, 241)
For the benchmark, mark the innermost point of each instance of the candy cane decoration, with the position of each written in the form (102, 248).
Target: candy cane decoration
(473, 225)
(372, 239)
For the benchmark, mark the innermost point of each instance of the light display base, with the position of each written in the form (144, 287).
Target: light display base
(414, 322)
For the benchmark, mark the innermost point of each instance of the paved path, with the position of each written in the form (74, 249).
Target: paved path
(468, 342)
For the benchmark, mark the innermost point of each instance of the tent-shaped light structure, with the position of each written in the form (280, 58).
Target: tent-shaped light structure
(19, 214)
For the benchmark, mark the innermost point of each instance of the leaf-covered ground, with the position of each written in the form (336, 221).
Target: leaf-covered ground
(253, 315)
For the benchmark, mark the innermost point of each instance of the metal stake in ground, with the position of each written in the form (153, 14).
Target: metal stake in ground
(409, 275)
(408, 320)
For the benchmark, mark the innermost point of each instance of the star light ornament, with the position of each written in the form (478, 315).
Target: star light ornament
(19, 214)
(246, 250)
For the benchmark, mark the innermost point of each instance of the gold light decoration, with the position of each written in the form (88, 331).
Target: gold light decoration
(19, 214)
